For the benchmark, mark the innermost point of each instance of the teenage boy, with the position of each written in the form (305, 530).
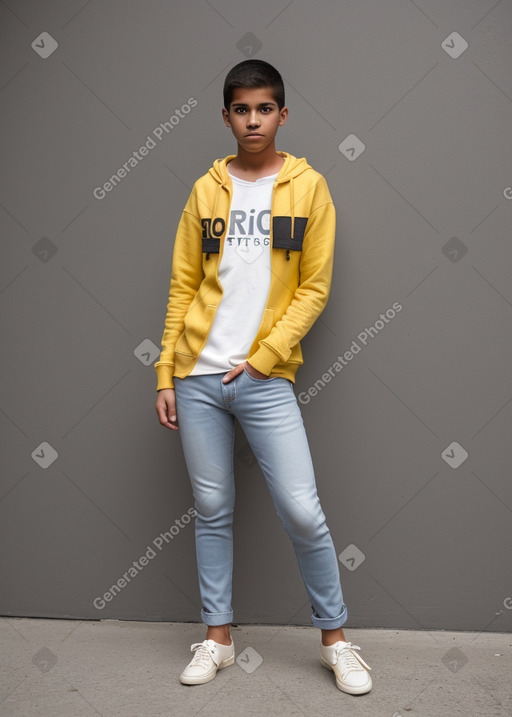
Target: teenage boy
(251, 272)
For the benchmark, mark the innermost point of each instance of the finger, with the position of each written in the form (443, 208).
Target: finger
(168, 424)
(233, 373)
(164, 418)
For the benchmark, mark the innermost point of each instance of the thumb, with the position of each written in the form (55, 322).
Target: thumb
(233, 373)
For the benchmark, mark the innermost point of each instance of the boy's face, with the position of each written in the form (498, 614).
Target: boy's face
(254, 118)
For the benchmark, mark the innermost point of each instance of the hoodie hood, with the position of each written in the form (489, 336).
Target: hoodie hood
(292, 168)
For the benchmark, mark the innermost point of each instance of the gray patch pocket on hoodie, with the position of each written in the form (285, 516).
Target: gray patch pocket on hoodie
(282, 232)
(212, 230)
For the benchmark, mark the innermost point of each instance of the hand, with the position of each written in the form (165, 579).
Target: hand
(238, 370)
(166, 408)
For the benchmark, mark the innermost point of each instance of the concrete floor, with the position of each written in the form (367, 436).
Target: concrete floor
(74, 668)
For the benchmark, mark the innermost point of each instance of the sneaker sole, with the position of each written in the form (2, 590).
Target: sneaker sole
(361, 690)
(203, 680)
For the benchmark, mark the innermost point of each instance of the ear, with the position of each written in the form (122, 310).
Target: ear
(225, 117)
(283, 116)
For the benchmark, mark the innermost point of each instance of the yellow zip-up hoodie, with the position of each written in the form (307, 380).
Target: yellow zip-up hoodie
(302, 231)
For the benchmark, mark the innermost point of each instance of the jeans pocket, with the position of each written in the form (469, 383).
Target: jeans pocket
(259, 380)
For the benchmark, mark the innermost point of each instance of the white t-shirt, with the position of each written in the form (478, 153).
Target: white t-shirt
(244, 274)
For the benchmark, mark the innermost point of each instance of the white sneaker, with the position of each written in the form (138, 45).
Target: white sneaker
(350, 669)
(210, 656)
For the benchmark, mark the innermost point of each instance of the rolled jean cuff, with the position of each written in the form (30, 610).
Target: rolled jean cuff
(330, 623)
(216, 618)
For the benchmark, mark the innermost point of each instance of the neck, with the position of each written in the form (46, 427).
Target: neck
(260, 162)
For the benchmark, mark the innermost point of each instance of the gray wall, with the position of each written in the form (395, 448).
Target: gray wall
(424, 220)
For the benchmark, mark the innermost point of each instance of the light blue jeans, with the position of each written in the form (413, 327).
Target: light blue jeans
(269, 415)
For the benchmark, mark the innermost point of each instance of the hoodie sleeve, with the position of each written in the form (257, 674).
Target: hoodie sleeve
(186, 276)
(312, 293)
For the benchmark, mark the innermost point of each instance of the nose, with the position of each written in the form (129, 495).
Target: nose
(253, 119)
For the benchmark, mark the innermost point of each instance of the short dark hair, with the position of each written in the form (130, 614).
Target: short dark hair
(254, 73)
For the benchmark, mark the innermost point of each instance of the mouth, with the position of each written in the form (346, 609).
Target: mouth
(254, 134)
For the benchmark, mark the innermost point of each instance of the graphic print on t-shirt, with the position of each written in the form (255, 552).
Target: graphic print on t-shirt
(244, 274)
(249, 232)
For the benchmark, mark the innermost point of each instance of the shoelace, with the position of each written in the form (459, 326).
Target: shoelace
(203, 655)
(350, 660)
